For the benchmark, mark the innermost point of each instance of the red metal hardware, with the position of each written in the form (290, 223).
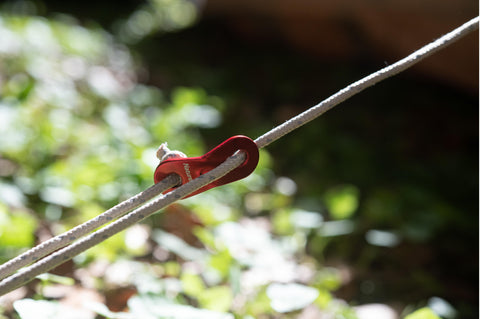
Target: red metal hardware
(192, 167)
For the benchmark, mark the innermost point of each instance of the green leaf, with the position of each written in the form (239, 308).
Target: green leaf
(342, 201)
(205, 236)
(328, 279)
(17, 228)
(259, 305)
(282, 222)
(216, 298)
(183, 96)
(423, 313)
(51, 278)
(172, 268)
(192, 284)
(221, 262)
(324, 298)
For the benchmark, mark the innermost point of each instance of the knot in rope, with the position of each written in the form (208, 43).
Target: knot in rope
(164, 153)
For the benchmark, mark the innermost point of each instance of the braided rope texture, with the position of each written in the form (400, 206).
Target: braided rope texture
(61, 256)
(66, 238)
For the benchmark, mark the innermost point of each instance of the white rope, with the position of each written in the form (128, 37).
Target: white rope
(366, 82)
(55, 259)
(129, 219)
(66, 238)
(113, 213)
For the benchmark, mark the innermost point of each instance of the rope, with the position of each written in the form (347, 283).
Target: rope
(66, 238)
(129, 219)
(366, 82)
(66, 253)
(113, 213)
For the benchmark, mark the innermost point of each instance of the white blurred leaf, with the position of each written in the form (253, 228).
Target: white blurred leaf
(290, 297)
(42, 309)
(153, 307)
(177, 246)
(103, 310)
(375, 311)
(305, 219)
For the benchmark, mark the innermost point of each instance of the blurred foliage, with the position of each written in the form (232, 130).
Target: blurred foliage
(79, 132)
(157, 16)
(423, 313)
